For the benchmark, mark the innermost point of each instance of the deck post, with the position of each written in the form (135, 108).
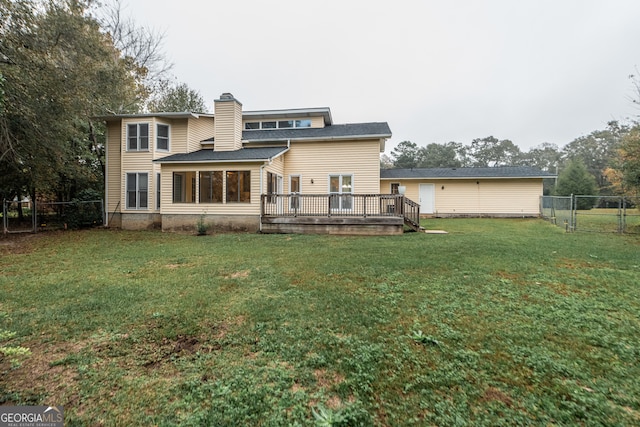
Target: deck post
(364, 206)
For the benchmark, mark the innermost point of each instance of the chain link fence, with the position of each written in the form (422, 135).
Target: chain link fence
(599, 214)
(31, 217)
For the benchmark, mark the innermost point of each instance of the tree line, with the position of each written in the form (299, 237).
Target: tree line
(62, 64)
(605, 162)
(65, 62)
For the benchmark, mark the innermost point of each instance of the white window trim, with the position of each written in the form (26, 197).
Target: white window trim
(126, 191)
(353, 186)
(138, 149)
(299, 175)
(277, 121)
(164, 150)
(293, 205)
(158, 190)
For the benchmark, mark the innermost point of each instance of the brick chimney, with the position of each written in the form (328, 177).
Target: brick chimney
(227, 123)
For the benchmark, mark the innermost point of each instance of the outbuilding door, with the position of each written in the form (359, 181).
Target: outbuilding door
(427, 198)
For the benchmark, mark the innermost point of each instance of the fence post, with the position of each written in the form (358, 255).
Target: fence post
(364, 205)
(624, 214)
(620, 229)
(574, 213)
(5, 224)
(34, 215)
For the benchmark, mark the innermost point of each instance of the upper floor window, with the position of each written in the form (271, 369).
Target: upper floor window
(280, 124)
(162, 137)
(138, 137)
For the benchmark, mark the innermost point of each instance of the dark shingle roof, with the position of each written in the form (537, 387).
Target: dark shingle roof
(258, 154)
(352, 130)
(458, 173)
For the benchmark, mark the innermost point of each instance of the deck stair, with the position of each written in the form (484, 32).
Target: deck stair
(411, 214)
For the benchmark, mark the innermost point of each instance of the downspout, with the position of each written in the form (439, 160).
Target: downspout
(262, 182)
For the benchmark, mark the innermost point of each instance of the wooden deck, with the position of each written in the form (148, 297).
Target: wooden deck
(367, 214)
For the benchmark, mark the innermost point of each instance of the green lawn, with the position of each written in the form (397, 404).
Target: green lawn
(499, 322)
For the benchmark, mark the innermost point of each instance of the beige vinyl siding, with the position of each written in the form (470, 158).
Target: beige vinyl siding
(317, 122)
(276, 167)
(478, 196)
(317, 160)
(137, 162)
(199, 130)
(228, 126)
(113, 158)
(177, 137)
(168, 207)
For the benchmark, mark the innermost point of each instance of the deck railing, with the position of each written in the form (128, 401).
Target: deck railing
(336, 205)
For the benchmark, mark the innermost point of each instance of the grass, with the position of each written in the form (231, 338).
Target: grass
(499, 322)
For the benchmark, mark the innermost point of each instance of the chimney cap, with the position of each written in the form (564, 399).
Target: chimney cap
(227, 96)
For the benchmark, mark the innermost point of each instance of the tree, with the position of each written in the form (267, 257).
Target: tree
(385, 162)
(491, 152)
(405, 155)
(596, 151)
(545, 156)
(140, 45)
(173, 98)
(60, 69)
(439, 155)
(624, 174)
(575, 179)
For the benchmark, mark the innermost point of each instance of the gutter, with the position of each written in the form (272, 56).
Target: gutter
(463, 177)
(177, 162)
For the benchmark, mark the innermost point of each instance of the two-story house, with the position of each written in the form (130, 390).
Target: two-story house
(171, 170)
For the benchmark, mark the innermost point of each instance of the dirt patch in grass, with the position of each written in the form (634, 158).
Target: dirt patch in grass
(295, 388)
(493, 394)
(238, 275)
(40, 377)
(327, 379)
(19, 243)
(166, 350)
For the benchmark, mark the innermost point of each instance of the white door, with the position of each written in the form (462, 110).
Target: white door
(427, 198)
(280, 191)
(340, 188)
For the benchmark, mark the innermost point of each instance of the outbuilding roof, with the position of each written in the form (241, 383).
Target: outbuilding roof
(466, 173)
(257, 154)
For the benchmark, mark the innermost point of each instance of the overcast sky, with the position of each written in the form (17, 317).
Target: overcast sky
(436, 71)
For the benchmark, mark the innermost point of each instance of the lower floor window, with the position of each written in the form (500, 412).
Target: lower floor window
(211, 187)
(184, 187)
(158, 192)
(137, 190)
(238, 186)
